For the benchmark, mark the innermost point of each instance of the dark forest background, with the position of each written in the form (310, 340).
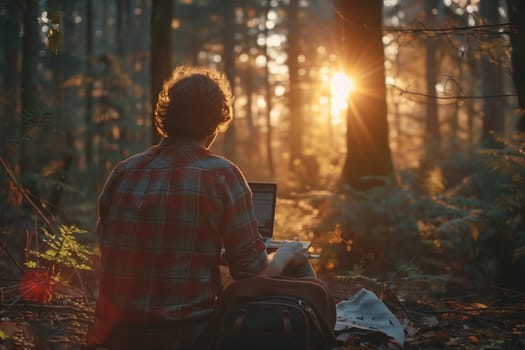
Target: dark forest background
(420, 170)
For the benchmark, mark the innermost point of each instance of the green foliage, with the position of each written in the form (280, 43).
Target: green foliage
(508, 164)
(378, 206)
(64, 249)
(506, 215)
(472, 227)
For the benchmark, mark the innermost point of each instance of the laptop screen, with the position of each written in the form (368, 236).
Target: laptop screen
(264, 200)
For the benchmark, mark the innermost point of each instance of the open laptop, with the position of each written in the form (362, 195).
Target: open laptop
(264, 202)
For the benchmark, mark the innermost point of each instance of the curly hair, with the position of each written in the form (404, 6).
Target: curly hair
(195, 102)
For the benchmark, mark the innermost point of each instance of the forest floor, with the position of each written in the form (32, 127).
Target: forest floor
(491, 318)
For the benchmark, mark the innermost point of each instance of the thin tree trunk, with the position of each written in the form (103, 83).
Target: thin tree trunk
(432, 132)
(491, 84)
(88, 117)
(248, 78)
(397, 122)
(296, 133)
(517, 38)
(253, 142)
(106, 13)
(29, 99)
(160, 64)
(269, 95)
(194, 41)
(229, 65)
(124, 109)
(9, 120)
(473, 71)
(121, 22)
(55, 11)
(454, 142)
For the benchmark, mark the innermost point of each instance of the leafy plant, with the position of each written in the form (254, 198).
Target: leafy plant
(64, 249)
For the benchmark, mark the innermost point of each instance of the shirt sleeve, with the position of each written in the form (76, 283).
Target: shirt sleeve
(245, 251)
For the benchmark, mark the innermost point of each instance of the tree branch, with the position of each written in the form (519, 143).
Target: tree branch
(454, 98)
(10, 174)
(486, 28)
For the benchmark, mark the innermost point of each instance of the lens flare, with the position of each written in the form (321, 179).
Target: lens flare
(341, 87)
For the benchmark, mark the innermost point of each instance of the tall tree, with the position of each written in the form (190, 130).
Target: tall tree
(296, 133)
(29, 83)
(56, 10)
(517, 38)
(160, 63)
(89, 109)
(121, 23)
(491, 84)
(229, 66)
(432, 133)
(10, 47)
(268, 93)
(361, 35)
(10, 21)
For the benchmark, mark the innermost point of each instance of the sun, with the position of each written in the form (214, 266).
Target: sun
(341, 87)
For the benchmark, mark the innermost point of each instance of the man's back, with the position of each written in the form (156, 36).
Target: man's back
(163, 216)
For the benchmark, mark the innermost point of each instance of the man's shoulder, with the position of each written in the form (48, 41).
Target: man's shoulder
(194, 158)
(139, 160)
(215, 160)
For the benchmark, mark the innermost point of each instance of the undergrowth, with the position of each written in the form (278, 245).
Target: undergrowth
(471, 235)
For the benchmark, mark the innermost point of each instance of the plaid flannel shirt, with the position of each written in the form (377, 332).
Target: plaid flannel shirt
(164, 217)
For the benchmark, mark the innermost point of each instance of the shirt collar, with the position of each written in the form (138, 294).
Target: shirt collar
(181, 141)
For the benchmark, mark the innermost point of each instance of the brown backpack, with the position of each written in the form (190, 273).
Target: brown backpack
(274, 313)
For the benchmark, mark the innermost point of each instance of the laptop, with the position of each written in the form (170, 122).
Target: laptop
(264, 196)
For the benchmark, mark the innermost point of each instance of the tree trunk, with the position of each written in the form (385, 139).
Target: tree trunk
(269, 94)
(368, 151)
(124, 109)
(248, 88)
(9, 120)
(88, 118)
(454, 123)
(194, 40)
(517, 38)
(473, 71)
(491, 84)
(160, 64)
(55, 14)
(295, 88)
(229, 66)
(432, 132)
(120, 25)
(29, 84)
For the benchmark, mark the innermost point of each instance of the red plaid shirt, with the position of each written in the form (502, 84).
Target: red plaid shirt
(164, 216)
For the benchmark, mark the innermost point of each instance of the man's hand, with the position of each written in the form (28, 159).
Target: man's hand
(289, 254)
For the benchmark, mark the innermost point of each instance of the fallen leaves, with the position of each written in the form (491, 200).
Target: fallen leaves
(490, 320)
